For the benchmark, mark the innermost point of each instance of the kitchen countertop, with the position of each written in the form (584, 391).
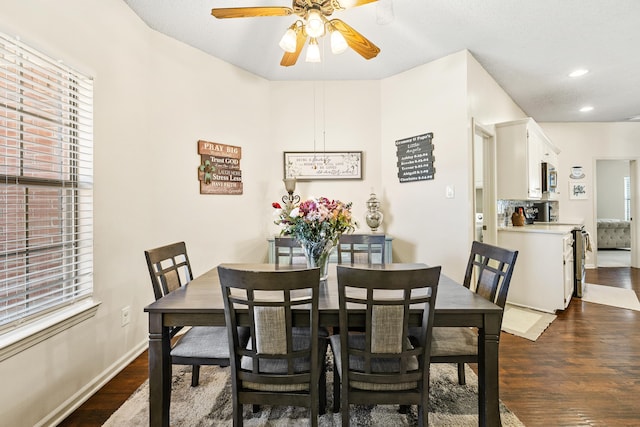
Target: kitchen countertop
(550, 228)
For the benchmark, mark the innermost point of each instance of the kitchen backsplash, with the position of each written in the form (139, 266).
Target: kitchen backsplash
(508, 207)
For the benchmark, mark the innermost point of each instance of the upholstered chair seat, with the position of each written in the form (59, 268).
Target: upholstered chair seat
(454, 341)
(378, 365)
(283, 363)
(170, 269)
(206, 342)
(382, 364)
(488, 274)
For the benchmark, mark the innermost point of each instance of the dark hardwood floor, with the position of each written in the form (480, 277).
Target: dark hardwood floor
(585, 368)
(583, 371)
(100, 406)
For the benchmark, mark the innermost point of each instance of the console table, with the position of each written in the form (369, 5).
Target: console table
(388, 254)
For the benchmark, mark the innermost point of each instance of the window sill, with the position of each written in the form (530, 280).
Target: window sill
(20, 339)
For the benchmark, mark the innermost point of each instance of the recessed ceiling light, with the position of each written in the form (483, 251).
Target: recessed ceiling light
(586, 109)
(579, 72)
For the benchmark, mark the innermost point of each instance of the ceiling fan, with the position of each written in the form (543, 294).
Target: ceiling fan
(314, 23)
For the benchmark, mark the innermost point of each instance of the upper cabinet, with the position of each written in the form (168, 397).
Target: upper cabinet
(522, 147)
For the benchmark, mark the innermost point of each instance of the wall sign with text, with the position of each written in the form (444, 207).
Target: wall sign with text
(415, 158)
(323, 165)
(219, 171)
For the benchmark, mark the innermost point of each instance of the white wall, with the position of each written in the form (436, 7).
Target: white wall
(581, 144)
(425, 225)
(347, 118)
(610, 176)
(155, 98)
(439, 97)
(487, 102)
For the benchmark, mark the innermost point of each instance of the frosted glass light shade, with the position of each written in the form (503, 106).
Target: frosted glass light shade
(315, 24)
(288, 41)
(338, 43)
(290, 184)
(313, 51)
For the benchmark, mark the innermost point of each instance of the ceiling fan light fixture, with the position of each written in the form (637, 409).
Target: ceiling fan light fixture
(338, 43)
(288, 41)
(315, 24)
(313, 51)
(346, 4)
(579, 72)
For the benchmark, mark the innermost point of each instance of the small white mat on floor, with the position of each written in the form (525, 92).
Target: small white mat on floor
(524, 322)
(610, 295)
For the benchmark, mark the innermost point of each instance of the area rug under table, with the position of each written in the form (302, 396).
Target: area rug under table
(524, 322)
(209, 404)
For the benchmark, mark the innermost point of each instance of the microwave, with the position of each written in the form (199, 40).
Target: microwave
(549, 178)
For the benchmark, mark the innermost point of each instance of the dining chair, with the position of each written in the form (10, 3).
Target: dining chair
(488, 273)
(279, 366)
(170, 269)
(289, 250)
(383, 365)
(361, 249)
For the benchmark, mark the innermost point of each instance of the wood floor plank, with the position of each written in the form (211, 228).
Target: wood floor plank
(584, 370)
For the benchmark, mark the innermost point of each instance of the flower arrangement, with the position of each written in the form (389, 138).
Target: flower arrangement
(317, 224)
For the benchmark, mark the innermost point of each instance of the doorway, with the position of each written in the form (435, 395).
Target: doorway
(615, 182)
(484, 186)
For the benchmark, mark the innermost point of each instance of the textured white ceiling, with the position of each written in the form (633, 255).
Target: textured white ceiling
(528, 46)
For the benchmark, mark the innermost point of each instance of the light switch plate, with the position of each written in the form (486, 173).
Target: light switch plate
(450, 192)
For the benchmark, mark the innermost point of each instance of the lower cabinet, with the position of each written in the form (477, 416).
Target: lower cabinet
(543, 275)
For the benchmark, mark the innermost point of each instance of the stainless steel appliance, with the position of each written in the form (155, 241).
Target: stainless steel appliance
(542, 212)
(549, 178)
(579, 249)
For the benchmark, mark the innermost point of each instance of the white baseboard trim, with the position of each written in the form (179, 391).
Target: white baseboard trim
(74, 402)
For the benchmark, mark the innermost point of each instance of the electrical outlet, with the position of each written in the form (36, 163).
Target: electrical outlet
(125, 316)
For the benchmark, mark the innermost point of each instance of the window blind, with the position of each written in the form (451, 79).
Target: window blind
(627, 198)
(46, 184)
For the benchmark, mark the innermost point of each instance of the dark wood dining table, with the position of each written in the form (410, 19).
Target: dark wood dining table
(200, 303)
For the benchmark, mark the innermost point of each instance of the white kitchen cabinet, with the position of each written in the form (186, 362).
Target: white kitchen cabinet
(543, 275)
(521, 147)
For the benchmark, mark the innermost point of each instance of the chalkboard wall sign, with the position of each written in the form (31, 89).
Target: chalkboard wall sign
(415, 158)
(219, 171)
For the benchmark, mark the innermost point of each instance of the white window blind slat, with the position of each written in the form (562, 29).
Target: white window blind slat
(627, 198)
(46, 185)
(19, 273)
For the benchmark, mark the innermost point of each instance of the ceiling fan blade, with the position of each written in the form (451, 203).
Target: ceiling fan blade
(355, 40)
(290, 58)
(247, 12)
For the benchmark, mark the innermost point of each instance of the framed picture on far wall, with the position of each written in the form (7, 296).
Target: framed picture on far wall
(577, 190)
(308, 165)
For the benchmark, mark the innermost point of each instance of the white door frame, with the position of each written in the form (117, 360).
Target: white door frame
(489, 188)
(634, 176)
